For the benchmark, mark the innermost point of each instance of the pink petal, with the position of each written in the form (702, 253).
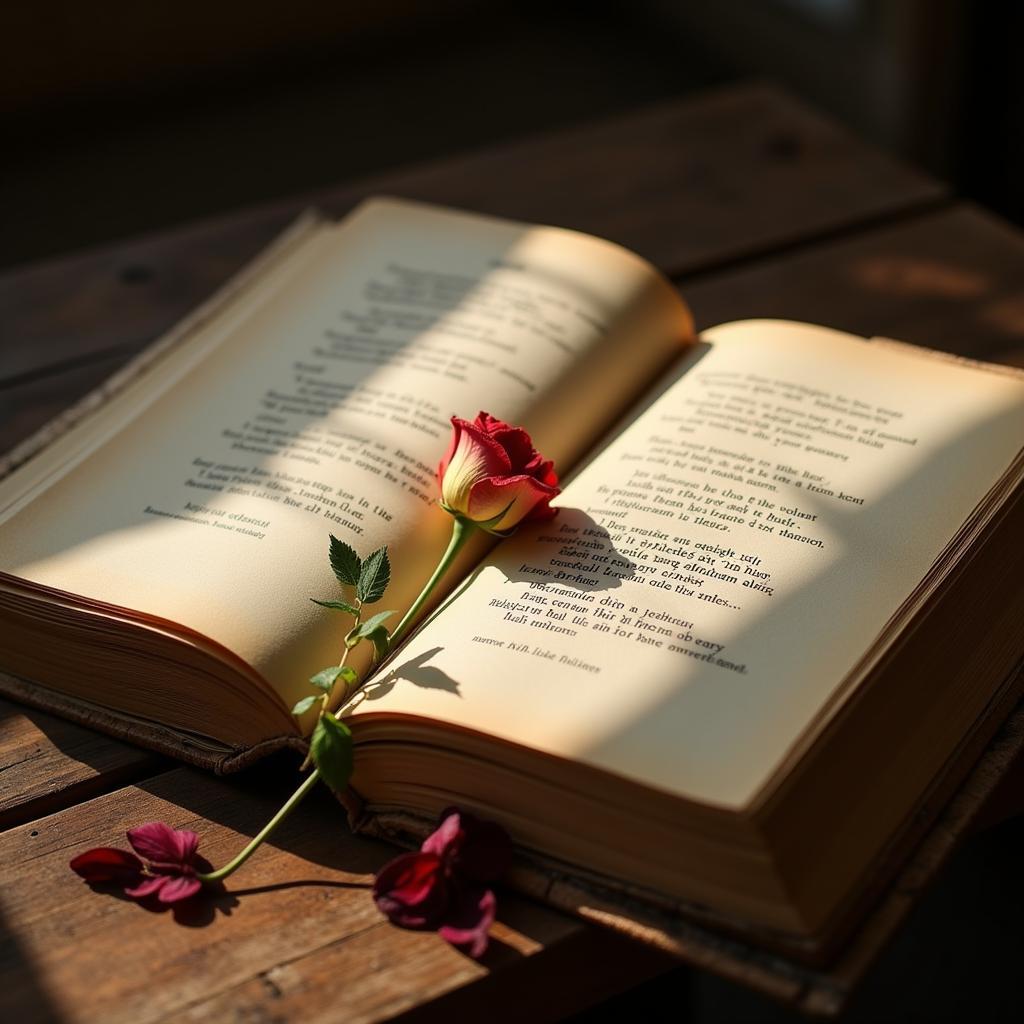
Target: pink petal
(107, 864)
(162, 844)
(524, 497)
(470, 915)
(411, 890)
(179, 888)
(445, 838)
(475, 850)
(148, 887)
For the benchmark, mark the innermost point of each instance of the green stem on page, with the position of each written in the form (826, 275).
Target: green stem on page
(462, 530)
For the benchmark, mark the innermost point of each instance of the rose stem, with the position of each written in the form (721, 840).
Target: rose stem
(462, 530)
(293, 801)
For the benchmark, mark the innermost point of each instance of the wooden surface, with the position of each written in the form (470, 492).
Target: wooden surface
(754, 207)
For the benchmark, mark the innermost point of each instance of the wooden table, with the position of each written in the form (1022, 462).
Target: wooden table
(754, 207)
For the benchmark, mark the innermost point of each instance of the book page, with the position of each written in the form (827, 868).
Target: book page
(715, 574)
(324, 408)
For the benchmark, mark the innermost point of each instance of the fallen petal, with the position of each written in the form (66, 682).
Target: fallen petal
(107, 864)
(160, 843)
(446, 836)
(485, 852)
(411, 891)
(148, 887)
(470, 914)
(180, 888)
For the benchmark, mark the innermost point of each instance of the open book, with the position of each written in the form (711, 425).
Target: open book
(782, 588)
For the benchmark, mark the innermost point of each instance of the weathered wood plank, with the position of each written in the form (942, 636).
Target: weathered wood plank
(951, 280)
(296, 936)
(47, 764)
(24, 408)
(545, 984)
(690, 185)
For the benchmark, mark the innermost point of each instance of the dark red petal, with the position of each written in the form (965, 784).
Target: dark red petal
(162, 844)
(488, 423)
(107, 864)
(470, 915)
(411, 891)
(485, 852)
(179, 888)
(545, 473)
(518, 447)
(148, 887)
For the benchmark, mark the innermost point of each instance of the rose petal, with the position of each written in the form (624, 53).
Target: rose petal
(148, 887)
(453, 443)
(475, 849)
(162, 844)
(448, 834)
(107, 864)
(518, 447)
(470, 914)
(475, 457)
(180, 888)
(411, 891)
(522, 496)
(489, 424)
(485, 853)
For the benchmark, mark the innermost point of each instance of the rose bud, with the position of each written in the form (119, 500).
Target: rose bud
(494, 477)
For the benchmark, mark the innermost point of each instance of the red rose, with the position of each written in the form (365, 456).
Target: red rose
(494, 477)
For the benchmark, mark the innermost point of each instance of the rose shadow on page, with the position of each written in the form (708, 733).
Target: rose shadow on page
(575, 552)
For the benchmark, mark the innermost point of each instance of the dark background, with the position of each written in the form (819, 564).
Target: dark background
(121, 117)
(126, 117)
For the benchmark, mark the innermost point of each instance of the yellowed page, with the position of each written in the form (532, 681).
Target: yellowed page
(324, 409)
(155, 369)
(716, 573)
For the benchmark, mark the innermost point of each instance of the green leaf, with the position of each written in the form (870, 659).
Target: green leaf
(326, 677)
(340, 606)
(381, 640)
(304, 705)
(331, 751)
(345, 562)
(371, 624)
(374, 577)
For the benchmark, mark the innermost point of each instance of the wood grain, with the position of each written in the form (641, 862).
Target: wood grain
(28, 406)
(295, 935)
(690, 185)
(951, 280)
(47, 763)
